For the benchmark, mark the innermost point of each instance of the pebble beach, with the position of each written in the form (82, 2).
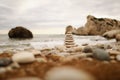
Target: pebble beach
(59, 40)
(92, 58)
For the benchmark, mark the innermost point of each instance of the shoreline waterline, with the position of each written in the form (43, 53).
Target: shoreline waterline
(41, 41)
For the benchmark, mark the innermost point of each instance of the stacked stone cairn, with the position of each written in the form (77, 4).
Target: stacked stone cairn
(69, 41)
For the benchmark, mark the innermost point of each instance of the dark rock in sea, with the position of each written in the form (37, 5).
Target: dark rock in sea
(5, 62)
(101, 54)
(20, 33)
(87, 49)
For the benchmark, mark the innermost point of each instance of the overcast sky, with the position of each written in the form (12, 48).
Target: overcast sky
(52, 16)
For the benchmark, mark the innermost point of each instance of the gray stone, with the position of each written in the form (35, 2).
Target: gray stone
(87, 49)
(5, 62)
(101, 54)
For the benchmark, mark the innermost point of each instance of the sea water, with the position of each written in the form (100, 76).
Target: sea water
(42, 41)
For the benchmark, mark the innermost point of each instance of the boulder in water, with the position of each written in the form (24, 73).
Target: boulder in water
(20, 32)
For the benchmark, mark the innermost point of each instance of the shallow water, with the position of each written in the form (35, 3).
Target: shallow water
(41, 41)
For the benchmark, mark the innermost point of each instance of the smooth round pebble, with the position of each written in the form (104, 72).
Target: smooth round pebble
(15, 65)
(67, 73)
(23, 57)
(118, 57)
(5, 62)
(101, 54)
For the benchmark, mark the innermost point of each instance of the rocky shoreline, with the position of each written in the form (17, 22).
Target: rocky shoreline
(69, 61)
(102, 61)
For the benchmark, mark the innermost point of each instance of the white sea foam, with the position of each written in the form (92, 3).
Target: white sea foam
(42, 41)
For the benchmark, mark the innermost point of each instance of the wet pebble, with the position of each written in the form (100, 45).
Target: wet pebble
(5, 62)
(101, 54)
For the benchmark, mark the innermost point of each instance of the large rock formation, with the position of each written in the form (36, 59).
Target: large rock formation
(20, 32)
(97, 26)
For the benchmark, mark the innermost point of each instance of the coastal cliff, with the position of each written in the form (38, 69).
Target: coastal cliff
(97, 26)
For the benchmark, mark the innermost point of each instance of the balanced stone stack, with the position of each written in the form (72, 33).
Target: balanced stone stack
(69, 41)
